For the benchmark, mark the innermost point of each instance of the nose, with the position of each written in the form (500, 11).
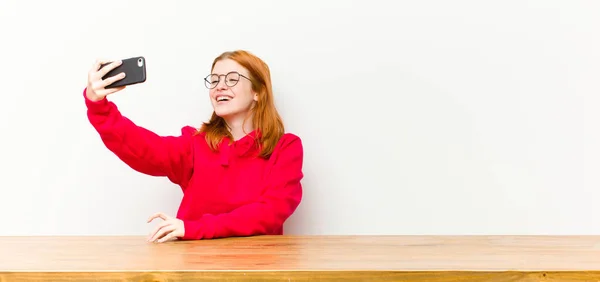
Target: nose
(221, 84)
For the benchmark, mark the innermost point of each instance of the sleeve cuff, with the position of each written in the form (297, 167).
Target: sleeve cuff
(191, 230)
(100, 106)
(196, 229)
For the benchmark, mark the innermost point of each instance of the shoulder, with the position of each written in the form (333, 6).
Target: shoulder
(192, 135)
(189, 131)
(289, 141)
(288, 148)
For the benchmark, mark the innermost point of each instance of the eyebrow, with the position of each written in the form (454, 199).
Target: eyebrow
(247, 76)
(226, 72)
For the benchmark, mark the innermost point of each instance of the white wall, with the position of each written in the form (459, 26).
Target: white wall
(437, 117)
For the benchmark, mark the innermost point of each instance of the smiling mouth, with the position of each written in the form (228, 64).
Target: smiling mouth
(223, 99)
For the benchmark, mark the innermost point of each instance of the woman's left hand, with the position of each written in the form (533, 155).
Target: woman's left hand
(170, 228)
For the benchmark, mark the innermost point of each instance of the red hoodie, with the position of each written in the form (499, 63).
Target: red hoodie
(228, 193)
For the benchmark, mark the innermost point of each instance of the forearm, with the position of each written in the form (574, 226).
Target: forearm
(265, 217)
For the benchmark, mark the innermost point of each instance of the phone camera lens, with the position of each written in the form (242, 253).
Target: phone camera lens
(140, 62)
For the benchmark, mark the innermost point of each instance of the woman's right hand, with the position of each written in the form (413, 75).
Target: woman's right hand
(96, 85)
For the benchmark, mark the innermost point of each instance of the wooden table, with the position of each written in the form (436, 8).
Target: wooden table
(301, 258)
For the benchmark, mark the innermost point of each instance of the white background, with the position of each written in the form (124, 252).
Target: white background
(417, 117)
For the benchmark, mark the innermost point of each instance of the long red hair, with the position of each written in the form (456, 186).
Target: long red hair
(265, 118)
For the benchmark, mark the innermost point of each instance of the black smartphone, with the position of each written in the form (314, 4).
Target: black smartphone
(134, 69)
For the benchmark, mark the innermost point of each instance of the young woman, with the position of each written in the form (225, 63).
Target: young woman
(240, 172)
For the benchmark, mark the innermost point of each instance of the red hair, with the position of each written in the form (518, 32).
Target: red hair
(265, 118)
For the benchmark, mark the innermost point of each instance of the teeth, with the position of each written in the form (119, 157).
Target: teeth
(222, 98)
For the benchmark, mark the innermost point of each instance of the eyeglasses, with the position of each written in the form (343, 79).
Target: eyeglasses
(231, 79)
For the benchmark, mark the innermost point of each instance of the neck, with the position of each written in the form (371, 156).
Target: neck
(238, 128)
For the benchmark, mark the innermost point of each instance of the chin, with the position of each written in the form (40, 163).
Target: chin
(227, 110)
(223, 113)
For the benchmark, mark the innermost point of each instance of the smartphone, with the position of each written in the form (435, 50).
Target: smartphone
(134, 69)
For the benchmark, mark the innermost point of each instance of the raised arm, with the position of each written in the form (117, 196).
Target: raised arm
(140, 148)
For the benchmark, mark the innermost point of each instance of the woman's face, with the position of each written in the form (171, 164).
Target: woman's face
(231, 91)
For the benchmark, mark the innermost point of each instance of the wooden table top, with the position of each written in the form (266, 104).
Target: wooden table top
(304, 257)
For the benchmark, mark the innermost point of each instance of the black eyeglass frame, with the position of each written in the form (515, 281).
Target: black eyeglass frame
(208, 83)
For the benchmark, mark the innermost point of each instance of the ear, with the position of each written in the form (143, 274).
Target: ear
(255, 96)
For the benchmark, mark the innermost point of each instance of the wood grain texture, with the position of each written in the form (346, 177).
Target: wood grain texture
(303, 258)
